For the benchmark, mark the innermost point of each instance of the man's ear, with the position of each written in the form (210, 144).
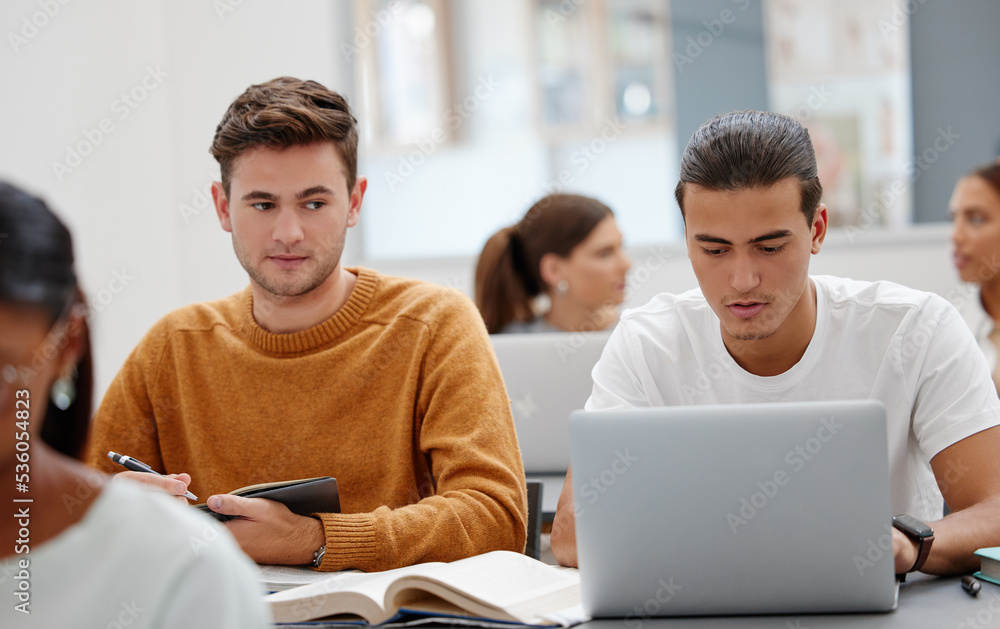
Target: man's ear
(819, 228)
(550, 269)
(357, 196)
(221, 206)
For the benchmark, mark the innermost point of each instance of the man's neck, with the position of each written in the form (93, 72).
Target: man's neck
(286, 315)
(574, 318)
(782, 350)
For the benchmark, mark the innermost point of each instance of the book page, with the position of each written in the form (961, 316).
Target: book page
(281, 578)
(519, 587)
(358, 593)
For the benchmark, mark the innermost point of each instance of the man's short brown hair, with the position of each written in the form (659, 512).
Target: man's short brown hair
(282, 113)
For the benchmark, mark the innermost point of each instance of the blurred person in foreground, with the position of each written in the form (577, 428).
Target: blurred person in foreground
(83, 550)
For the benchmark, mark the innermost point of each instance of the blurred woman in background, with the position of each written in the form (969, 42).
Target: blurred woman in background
(567, 248)
(975, 236)
(86, 551)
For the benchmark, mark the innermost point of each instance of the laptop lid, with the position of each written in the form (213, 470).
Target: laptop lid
(733, 509)
(547, 377)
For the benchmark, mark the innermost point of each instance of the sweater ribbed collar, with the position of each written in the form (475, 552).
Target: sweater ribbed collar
(319, 335)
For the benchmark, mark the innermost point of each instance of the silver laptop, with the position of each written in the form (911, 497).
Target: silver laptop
(547, 377)
(736, 509)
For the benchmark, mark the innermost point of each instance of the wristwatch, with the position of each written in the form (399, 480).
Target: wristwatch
(918, 532)
(318, 556)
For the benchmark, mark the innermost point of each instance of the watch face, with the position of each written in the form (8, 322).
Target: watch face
(911, 525)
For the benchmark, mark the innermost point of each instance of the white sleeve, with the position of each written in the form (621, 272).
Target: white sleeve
(947, 377)
(616, 380)
(220, 590)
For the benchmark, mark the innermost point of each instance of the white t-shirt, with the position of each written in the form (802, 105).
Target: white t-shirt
(137, 559)
(966, 298)
(882, 341)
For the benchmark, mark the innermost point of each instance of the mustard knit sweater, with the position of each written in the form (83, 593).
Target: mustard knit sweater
(397, 395)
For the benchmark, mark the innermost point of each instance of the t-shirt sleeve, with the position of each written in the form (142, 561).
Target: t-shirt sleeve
(949, 381)
(617, 383)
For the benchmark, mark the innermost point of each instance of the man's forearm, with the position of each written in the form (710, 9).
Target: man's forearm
(960, 534)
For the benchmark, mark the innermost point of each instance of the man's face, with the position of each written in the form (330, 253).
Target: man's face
(750, 252)
(288, 211)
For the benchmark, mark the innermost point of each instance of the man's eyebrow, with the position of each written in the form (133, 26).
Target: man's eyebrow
(778, 233)
(315, 190)
(259, 195)
(707, 238)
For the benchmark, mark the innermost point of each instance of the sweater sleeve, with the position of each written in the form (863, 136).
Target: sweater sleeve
(125, 421)
(466, 431)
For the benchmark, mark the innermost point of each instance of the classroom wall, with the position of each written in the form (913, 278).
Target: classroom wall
(956, 88)
(110, 109)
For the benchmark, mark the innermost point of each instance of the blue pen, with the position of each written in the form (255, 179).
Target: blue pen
(138, 466)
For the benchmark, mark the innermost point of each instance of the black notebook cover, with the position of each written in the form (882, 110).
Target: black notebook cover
(302, 497)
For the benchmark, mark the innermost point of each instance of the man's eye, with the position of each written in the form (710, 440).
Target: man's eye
(772, 249)
(263, 205)
(315, 205)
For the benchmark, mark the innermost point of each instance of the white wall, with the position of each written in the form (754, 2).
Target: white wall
(123, 201)
(147, 238)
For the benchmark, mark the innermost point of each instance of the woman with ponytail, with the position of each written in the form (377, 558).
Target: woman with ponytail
(86, 551)
(567, 248)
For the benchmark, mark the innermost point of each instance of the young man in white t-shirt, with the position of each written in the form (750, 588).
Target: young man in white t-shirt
(760, 329)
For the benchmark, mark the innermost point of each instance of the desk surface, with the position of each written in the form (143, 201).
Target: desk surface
(924, 601)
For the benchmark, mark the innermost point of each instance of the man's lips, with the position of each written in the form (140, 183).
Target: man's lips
(287, 261)
(960, 259)
(746, 310)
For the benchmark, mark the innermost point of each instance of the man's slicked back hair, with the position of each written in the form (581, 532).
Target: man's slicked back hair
(751, 149)
(283, 113)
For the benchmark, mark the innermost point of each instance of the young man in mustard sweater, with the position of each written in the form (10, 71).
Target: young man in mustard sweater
(387, 384)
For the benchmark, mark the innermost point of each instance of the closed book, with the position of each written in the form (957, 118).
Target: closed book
(989, 564)
(303, 496)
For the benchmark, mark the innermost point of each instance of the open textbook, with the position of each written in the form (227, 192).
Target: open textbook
(500, 586)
